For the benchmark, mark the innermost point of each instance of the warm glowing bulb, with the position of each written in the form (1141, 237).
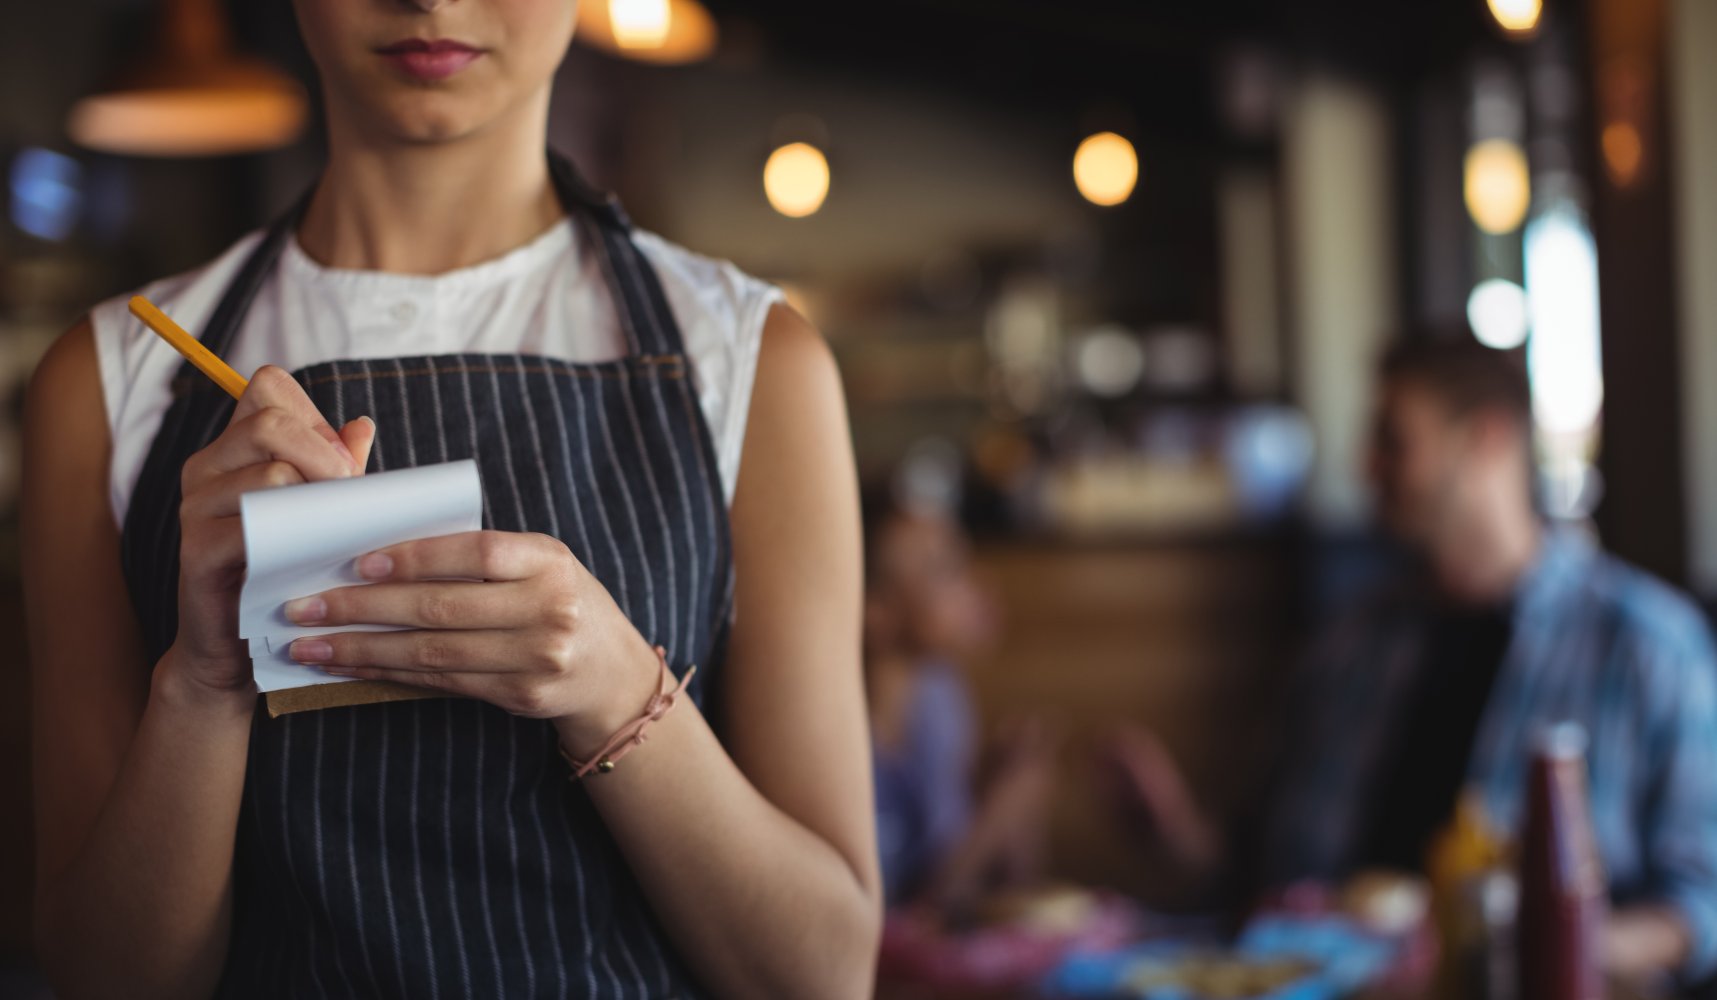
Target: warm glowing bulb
(1498, 185)
(1106, 169)
(640, 24)
(796, 179)
(1517, 16)
(662, 32)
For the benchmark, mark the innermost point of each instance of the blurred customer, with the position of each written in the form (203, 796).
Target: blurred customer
(941, 843)
(1440, 682)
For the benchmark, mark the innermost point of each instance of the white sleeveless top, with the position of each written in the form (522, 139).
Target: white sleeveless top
(547, 297)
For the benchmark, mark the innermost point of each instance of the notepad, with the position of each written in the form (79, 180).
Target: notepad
(302, 540)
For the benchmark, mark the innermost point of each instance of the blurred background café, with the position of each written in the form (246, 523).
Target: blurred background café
(1109, 284)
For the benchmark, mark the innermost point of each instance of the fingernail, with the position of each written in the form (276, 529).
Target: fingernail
(375, 566)
(306, 610)
(339, 671)
(351, 459)
(312, 651)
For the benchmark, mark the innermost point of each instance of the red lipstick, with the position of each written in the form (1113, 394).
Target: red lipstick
(429, 59)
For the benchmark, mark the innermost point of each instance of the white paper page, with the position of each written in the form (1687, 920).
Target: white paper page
(302, 540)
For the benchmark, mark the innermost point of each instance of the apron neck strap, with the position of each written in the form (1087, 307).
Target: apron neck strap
(633, 285)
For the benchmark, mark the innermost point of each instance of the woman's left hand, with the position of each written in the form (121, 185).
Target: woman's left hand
(513, 619)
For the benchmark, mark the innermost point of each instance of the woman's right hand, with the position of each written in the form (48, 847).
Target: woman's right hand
(276, 437)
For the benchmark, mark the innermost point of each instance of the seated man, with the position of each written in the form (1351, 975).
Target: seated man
(1442, 682)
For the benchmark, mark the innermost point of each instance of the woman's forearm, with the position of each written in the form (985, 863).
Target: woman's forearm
(758, 904)
(143, 909)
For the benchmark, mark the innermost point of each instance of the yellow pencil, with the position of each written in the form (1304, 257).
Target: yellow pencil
(189, 346)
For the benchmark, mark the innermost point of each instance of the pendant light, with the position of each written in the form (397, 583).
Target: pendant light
(1106, 169)
(666, 32)
(1517, 17)
(191, 94)
(796, 179)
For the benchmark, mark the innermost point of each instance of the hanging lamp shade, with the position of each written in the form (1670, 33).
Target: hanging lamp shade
(190, 93)
(667, 32)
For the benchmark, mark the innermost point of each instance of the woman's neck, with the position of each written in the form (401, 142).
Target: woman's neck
(429, 208)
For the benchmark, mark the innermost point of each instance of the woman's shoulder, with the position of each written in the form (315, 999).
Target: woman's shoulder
(722, 312)
(709, 295)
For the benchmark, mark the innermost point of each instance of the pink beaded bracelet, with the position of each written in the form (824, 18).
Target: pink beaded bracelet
(632, 734)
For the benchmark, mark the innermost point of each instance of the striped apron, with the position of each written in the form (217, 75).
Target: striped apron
(430, 849)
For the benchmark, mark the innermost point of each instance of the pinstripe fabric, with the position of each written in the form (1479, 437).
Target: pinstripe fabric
(435, 848)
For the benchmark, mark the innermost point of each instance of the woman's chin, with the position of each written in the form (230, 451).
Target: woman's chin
(438, 124)
(430, 118)
(434, 131)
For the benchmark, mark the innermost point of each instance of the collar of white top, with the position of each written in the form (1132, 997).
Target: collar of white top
(523, 259)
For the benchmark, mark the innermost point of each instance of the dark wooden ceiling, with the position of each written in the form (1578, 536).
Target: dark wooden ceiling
(1157, 58)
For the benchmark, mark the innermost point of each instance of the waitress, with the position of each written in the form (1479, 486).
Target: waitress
(665, 462)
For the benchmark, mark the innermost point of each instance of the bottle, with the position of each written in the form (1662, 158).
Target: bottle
(1562, 893)
(1473, 901)
(1497, 902)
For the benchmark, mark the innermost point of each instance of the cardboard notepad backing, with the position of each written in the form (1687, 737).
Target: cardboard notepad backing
(303, 540)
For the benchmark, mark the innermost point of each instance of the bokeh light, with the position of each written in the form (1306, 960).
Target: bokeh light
(47, 193)
(664, 32)
(1106, 169)
(1624, 151)
(1269, 451)
(1498, 187)
(1109, 361)
(1497, 311)
(1564, 358)
(796, 179)
(640, 24)
(218, 120)
(1518, 17)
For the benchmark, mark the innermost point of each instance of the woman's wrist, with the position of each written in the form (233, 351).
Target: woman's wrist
(176, 685)
(621, 699)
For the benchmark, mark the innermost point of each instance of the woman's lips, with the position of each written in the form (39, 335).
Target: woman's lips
(429, 60)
